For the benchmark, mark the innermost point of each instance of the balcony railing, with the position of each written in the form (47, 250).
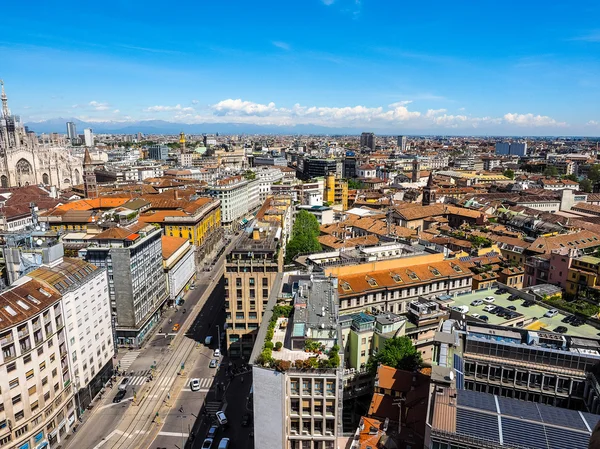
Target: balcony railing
(7, 340)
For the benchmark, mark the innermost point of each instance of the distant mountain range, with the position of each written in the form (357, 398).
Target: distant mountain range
(59, 125)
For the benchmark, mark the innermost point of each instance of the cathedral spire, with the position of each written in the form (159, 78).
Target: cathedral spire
(5, 111)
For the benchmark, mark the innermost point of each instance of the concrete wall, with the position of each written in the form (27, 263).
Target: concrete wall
(123, 290)
(269, 408)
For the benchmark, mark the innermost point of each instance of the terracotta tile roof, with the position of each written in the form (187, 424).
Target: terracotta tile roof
(370, 433)
(114, 234)
(159, 215)
(329, 241)
(171, 244)
(417, 274)
(580, 240)
(96, 203)
(419, 212)
(19, 303)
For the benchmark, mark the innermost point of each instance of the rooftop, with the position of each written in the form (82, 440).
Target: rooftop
(25, 300)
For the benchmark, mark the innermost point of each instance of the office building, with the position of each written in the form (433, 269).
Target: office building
(71, 131)
(295, 406)
(349, 167)
(158, 152)
(132, 256)
(402, 144)
(513, 148)
(250, 271)
(86, 303)
(238, 197)
(367, 140)
(310, 168)
(88, 135)
(36, 391)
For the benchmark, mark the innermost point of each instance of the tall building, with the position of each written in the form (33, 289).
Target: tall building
(36, 384)
(367, 140)
(86, 302)
(71, 131)
(23, 161)
(513, 148)
(298, 395)
(250, 271)
(132, 255)
(158, 152)
(402, 144)
(238, 197)
(429, 192)
(310, 167)
(88, 135)
(336, 191)
(90, 185)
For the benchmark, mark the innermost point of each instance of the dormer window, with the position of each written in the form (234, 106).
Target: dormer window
(435, 271)
(412, 275)
(346, 287)
(457, 268)
(372, 282)
(396, 277)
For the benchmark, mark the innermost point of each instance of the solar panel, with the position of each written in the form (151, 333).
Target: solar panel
(474, 399)
(519, 409)
(460, 377)
(561, 417)
(566, 439)
(530, 435)
(482, 425)
(591, 419)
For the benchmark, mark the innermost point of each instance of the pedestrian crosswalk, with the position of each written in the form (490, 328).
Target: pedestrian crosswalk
(212, 407)
(128, 359)
(139, 378)
(205, 384)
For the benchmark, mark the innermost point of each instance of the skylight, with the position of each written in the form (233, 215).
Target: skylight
(10, 310)
(45, 293)
(22, 304)
(32, 299)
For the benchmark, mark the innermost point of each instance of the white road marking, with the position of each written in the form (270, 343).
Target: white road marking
(114, 403)
(173, 434)
(128, 359)
(108, 437)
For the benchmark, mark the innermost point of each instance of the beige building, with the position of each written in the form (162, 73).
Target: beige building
(37, 404)
(250, 270)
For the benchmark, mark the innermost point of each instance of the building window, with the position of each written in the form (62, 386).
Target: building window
(13, 383)
(29, 374)
(265, 282)
(16, 399)
(265, 293)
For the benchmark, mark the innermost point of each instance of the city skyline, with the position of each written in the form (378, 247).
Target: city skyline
(338, 65)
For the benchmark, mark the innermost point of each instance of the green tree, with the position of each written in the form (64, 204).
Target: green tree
(571, 177)
(354, 184)
(586, 185)
(551, 171)
(479, 242)
(250, 175)
(594, 173)
(398, 353)
(509, 173)
(305, 235)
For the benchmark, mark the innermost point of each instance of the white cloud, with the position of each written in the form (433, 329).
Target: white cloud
(328, 2)
(233, 107)
(116, 111)
(531, 120)
(434, 112)
(99, 106)
(461, 109)
(401, 103)
(195, 102)
(177, 107)
(283, 45)
(593, 123)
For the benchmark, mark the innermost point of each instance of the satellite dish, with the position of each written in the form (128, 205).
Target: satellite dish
(37, 228)
(39, 242)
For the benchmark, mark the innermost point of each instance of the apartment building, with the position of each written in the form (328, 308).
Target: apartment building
(534, 366)
(37, 403)
(179, 266)
(238, 197)
(250, 270)
(299, 408)
(86, 303)
(336, 192)
(132, 256)
(583, 277)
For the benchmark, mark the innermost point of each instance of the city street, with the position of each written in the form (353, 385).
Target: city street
(123, 424)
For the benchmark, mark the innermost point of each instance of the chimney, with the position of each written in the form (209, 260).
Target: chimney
(255, 234)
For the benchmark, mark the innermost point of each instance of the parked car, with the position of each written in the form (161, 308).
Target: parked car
(511, 308)
(489, 308)
(567, 319)
(217, 353)
(176, 327)
(208, 340)
(212, 432)
(477, 302)
(528, 303)
(561, 329)
(119, 396)
(500, 291)
(207, 444)
(512, 297)
(577, 322)
(195, 384)
(461, 309)
(213, 363)
(484, 318)
(123, 384)
(475, 315)
(224, 443)
(551, 313)
(221, 417)
(489, 299)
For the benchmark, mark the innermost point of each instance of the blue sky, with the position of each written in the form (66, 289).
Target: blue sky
(467, 67)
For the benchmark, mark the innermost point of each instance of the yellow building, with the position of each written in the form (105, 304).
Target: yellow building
(336, 191)
(583, 276)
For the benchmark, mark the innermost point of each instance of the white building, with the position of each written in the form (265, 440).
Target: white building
(36, 392)
(185, 159)
(88, 134)
(366, 171)
(153, 171)
(234, 196)
(86, 304)
(179, 264)
(267, 177)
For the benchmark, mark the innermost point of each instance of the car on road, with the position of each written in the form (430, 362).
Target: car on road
(551, 313)
(246, 420)
(221, 417)
(195, 384)
(224, 443)
(176, 327)
(561, 329)
(489, 299)
(511, 308)
(193, 287)
(212, 432)
(207, 444)
(489, 308)
(119, 396)
(477, 302)
(213, 363)
(123, 384)
(181, 301)
(217, 353)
